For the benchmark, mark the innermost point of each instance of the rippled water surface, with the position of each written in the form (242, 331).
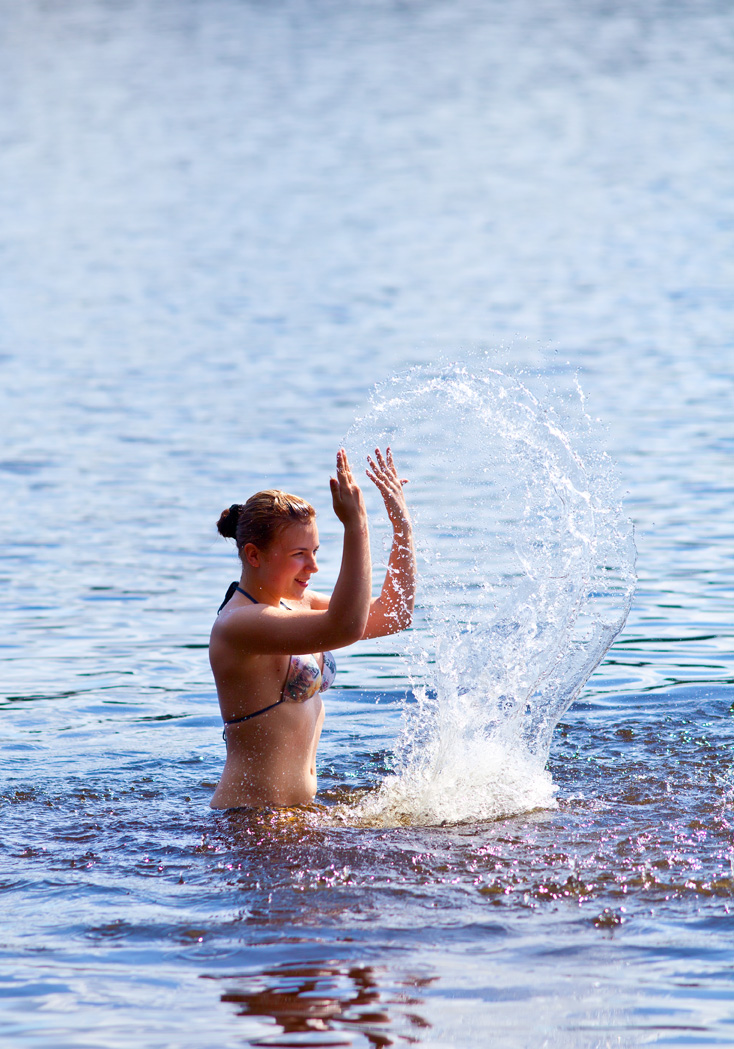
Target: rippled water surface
(220, 225)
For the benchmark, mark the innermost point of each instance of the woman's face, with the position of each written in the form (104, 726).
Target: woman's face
(287, 565)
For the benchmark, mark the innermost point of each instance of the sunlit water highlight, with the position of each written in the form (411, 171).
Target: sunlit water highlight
(526, 577)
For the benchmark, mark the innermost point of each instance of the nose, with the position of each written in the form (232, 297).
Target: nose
(312, 566)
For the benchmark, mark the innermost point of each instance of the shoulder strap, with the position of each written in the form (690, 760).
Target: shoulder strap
(230, 590)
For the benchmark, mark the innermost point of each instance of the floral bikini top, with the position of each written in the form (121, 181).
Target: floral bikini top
(304, 679)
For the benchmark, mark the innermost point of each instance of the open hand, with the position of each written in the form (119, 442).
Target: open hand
(383, 474)
(346, 494)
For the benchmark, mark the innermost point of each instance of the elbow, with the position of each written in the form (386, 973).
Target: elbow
(353, 637)
(352, 630)
(360, 628)
(404, 612)
(397, 616)
(399, 619)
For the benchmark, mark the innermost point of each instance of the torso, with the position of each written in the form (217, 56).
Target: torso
(271, 758)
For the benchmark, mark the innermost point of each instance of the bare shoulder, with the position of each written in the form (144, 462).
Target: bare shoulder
(296, 626)
(316, 601)
(236, 621)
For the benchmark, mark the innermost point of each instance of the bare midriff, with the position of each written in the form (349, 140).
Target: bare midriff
(271, 759)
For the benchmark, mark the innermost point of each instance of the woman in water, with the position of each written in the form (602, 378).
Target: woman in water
(270, 693)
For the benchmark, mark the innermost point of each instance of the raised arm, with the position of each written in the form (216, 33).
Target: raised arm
(262, 629)
(392, 611)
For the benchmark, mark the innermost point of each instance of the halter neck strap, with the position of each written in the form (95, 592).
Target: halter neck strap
(236, 586)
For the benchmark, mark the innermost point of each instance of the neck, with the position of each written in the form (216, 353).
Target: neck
(258, 591)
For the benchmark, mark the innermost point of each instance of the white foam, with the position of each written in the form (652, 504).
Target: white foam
(526, 575)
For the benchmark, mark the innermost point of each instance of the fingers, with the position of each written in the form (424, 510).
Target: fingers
(385, 466)
(377, 481)
(381, 471)
(380, 459)
(344, 486)
(386, 461)
(342, 466)
(345, 492)
(377, 476)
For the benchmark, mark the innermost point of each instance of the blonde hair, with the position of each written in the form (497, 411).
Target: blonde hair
(262, 517)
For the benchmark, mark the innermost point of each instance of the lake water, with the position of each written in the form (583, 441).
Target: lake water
(220, 224)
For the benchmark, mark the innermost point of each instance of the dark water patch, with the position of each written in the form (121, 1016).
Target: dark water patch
(24, 467)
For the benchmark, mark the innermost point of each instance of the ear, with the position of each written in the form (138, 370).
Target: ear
(252, 555)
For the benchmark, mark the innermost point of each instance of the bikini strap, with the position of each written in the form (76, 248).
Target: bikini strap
(230, 590)
(247, 717)
(254, 600)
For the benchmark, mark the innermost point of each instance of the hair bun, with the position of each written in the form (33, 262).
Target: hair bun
(227, 523)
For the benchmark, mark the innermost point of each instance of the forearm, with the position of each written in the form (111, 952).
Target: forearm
(350, 602)
(397, 596)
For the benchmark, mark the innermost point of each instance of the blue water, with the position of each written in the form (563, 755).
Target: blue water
(220, 225)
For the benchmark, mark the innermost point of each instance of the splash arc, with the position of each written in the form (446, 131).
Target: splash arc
(527, 570)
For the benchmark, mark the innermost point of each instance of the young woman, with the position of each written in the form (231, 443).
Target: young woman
(270, 644)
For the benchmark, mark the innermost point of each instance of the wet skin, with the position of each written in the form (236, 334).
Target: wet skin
(271, 759)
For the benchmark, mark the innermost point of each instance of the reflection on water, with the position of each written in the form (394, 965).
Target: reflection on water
(329, 1004)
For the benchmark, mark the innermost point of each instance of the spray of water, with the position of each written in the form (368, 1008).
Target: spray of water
(526, 575)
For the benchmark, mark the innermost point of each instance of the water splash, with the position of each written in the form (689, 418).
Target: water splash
(526, 576)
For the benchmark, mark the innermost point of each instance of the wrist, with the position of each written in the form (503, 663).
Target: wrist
(402, 529)
(356, 524)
